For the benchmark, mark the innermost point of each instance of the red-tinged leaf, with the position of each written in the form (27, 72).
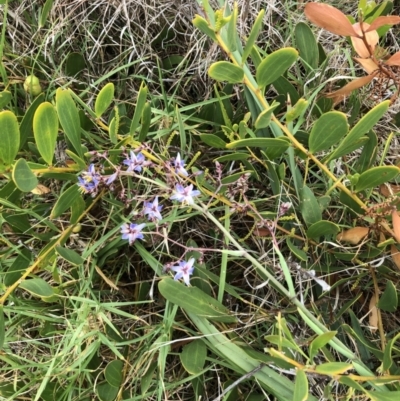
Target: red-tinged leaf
(368, 64)
(372, 39)
(394, 60)
(380, 21)
(350, 87)
(396, 225)
(329, 18)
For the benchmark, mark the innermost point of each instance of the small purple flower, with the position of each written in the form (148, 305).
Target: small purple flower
(185, 195)
(184, 270)
(112, 178)
(136, 162)
(152, 210)
(180, 165)
(132, 232)
(90, 180)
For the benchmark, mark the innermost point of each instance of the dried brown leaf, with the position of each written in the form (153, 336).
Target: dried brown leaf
(40, 190)
(353, 235)
(371, 38)
(329, 18)
(368, 64)
(388, 189)
(394, 60)
(395, 255)
(380, 21)
(396, 225)
(373, 314)
(353, 85)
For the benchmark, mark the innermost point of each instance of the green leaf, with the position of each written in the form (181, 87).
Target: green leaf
(264, 117)
(309, 206)
(193, 300)
(45, 130)
(333, 368)
(114, 373)
(259, 143)
(307, 45)
(285, 88)
(23, 177)
(193, 357)
(361, 128)
(297, 110)
(376, 176)
(300, 386)
(74, 64)
(234, 177)
(368, 154)
(213, 141)
(5, 97)
(69, 119)
(140, 103)
(182, 133)
(9, 137)
(81, 164)
(274, 65)
(255, 30)
(226, 71)
(106, 392)
(329, 129)
(319, 342)
(387, 396)
(146, 121)
(231, 36)
(232, 156)
(299, 253)
(202, 24)
(65, 201)
(388, 301)
(281, 341)
(38, 287)
(69, 255)
(45, 12)
(104, 99)
(322, 228)
(27, 121)
(2, 328)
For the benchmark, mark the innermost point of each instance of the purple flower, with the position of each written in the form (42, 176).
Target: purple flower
(90, 180)
(185, 195)
(152, 210)
(132, 232)
(112, 178)
(136, 162)
(184, 270)
(180, 165)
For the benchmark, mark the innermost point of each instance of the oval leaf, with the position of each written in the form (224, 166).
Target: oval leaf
(264, 117)
(114, 373)
(259, 143)
(23, 177)
(329, 18)
(333, 368)
(309, 206)
(65, 201)
(5, 97)
(69, 119)
(193, 356)
(371, 38)
(226, 71)
(320, 342)
(45, 129)
(383, 20)
(213, 141)
(9, 137)
(322, 228)
(300, 386)
(104, 99)
(307, 45)
(274, 65)
(376, 176)
(194, 300)
(70, 256)
(38, 287)
(353, 236)
(329, 129)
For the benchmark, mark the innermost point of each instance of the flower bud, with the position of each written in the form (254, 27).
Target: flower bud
(32, 85)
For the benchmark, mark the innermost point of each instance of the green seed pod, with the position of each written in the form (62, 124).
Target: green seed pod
(32, 85)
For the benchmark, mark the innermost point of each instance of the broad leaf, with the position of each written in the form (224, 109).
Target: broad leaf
(333, 368)
(300, 386)
(193, 357)
(309, 206)
(376, 176)
(114, 373)
(307, 45)
(322, 228)
(389, 300)
(70, 255)
(259, 143)
(329, 129)
(65, 201)
(226, 71)
(253, 35)
(23, 176)
(264, 117)
(45, 130)
(329, 18)
(9, 137)
(274, 65)
(5, 98)
(104, 99)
